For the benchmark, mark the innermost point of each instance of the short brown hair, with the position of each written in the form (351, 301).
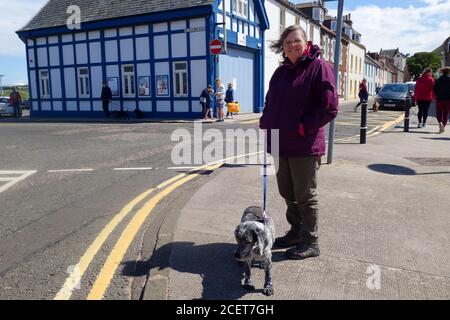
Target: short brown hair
(445, 71)
(277, 46)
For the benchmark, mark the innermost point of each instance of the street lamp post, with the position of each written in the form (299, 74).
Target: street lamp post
(337, 53)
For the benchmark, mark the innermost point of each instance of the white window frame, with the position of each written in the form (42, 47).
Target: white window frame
(180, 80)
(333, 47)
(325, 48)
(240, 8)
(128, 81)
(84, 89)
(44, 84)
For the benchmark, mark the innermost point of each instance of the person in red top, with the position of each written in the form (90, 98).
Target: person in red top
(423, 94)
(14, 100)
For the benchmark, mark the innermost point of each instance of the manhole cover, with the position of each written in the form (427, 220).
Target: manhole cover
(441, 162)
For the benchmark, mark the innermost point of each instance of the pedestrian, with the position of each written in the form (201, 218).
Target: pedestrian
(423, 94)
(220, 99)
(363, 93)
(206, 101)
(301, 100)
(14, 100)
(229, 97)
(106, 98)
(442, 92)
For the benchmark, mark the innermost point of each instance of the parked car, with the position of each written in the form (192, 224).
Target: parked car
(6, 109)
(393, 95)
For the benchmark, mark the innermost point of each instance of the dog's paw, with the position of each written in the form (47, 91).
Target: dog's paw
(268, 290)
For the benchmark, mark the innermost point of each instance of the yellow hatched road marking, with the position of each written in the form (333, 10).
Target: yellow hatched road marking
(115, 258)
(75, 276)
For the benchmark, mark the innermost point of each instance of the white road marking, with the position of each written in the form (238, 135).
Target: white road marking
(23, 174)
(131, 169)
(71, 170)
(182, 168)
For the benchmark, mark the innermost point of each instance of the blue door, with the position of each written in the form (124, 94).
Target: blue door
(237, 67)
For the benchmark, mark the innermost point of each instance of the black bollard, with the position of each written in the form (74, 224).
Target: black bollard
(363, 130)
(407, 109)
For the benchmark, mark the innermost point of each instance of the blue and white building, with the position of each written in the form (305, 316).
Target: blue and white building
(154, 54)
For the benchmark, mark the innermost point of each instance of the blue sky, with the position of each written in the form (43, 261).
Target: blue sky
(410, 25)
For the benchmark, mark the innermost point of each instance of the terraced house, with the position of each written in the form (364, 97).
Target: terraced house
(154, 54)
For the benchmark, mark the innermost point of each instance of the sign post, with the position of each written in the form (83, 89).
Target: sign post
(337, 53)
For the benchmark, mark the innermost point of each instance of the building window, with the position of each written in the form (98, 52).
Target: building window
(83, 83)
(351, 64)
(282, 21)
(180, 78)
(333, 47)
(318, 14)
(325, 48)
(128, 81)
(240, 7)
(44, 82)
(333, 25)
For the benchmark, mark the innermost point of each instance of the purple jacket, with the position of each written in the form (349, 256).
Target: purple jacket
(301, 100)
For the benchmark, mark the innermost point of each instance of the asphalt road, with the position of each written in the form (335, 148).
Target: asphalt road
(76, 177)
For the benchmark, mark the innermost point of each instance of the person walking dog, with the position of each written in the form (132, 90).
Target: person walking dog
(301, 100)
(363, 93)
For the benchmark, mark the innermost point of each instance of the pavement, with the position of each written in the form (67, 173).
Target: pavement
(383, 225)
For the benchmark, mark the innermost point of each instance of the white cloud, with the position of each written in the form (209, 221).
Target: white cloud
(16, 16)
(413, 29)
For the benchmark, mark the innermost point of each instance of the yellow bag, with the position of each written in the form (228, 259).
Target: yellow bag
(233, 107)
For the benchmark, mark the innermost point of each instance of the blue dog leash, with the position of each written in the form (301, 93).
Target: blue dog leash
(265, 180)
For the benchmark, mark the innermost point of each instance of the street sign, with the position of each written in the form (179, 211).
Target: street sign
(215, 46)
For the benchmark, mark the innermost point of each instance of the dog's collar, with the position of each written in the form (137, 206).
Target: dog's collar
(263, 220)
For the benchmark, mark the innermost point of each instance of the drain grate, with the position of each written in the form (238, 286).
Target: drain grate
(438, 162)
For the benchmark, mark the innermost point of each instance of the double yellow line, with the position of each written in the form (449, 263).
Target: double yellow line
(116, 256)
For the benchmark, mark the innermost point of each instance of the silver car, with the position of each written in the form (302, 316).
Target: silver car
(6, 109)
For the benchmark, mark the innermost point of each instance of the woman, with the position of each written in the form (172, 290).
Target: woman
(423, 94)
(301, 100)
(442, 92)
(220, 99)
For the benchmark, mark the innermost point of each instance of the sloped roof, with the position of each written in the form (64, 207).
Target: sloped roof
(54, 13)
(388, 53)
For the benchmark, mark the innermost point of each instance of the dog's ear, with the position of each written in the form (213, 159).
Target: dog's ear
(259, 236)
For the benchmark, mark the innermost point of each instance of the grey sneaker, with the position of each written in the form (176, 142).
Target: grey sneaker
(419, 125)
(424, 125)
(303, 251)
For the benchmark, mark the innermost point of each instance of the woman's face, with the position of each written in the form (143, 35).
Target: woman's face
(294, 46)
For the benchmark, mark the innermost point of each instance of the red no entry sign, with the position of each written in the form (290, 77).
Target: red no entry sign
(215, 46)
